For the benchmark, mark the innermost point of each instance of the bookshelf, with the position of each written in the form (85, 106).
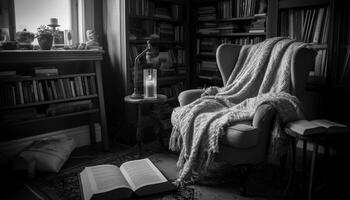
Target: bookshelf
(50, 90)
(165, 24)
(225, 21)
(324, 25)
(307, 21)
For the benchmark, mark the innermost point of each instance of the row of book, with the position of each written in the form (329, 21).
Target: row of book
(225, 9)
(320, 69)
(208, 46)
(31, 91)
(17, 115)
(258, 26)
(237, 8)
(151, 8)
(309, 25)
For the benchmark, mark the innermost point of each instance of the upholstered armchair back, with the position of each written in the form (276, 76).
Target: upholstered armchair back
(302, 62)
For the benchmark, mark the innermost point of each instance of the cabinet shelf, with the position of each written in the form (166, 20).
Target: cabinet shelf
(48, 102)
(85, 112)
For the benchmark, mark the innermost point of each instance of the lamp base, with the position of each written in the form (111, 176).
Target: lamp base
(136, 96)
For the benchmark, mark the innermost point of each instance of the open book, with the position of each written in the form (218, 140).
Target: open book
(111, 182)
(305, 127)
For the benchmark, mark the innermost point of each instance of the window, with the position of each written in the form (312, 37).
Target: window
(33, 13)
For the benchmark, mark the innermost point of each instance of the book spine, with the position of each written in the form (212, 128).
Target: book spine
(87, 89)
(20, 88)
(62, 88)
(35, 88)
(53, 88)
(72, 88)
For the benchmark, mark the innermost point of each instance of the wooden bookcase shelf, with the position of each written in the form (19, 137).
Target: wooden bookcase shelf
(231, 34)
(217, 22)
(18, 106)
(72, 97)
(43, 119)
(157, 19)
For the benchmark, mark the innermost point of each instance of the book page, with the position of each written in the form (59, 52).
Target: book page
(141, 172)
(332, 127)
(326, 123)
(85, 185)
(105, 178)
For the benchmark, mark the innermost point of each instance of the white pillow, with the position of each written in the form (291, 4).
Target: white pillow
(49, 154)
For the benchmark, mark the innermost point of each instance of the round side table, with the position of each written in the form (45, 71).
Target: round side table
(141, 123)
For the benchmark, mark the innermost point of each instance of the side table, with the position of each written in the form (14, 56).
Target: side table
(140, 122)
(323, 139)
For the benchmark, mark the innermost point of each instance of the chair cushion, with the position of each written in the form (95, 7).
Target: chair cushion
(241, 135)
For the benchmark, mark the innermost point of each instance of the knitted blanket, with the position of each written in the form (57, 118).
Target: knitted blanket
(261, 75)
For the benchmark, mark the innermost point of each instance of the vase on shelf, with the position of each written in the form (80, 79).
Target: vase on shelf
(45, 41)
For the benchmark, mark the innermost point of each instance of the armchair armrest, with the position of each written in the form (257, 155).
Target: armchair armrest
(263, 116)
(188, 96)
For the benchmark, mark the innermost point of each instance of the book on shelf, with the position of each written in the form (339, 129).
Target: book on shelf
(306, 127)
(308, 25)
(5, 74)
(39, 71)
(63, 108)
(140, 177)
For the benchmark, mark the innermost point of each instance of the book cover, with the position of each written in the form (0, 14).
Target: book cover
(140, 177)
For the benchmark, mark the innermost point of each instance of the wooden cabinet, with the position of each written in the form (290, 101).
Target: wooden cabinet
(43, 91)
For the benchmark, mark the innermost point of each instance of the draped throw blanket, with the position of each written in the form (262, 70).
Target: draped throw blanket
(261, 75)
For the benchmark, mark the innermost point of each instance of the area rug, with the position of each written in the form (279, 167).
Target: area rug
(65, 184)
(220, 182)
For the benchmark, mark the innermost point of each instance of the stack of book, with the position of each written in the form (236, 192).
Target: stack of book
(207, 46)
(228, 28)
(162, 12)
(165, 31)
(207, 28)
(206, 13)
(258, 26)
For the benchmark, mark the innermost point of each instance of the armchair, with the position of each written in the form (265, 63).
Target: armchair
(246, 143)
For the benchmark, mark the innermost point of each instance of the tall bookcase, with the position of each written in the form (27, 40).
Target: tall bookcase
(165, 24)
(322, 24)
(225, 21)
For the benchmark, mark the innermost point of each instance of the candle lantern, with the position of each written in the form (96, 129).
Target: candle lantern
(150, 83)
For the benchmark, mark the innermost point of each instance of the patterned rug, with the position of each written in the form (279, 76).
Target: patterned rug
(220, 182)
(65, 184)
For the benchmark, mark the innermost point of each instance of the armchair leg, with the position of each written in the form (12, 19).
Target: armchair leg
(244, 173)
